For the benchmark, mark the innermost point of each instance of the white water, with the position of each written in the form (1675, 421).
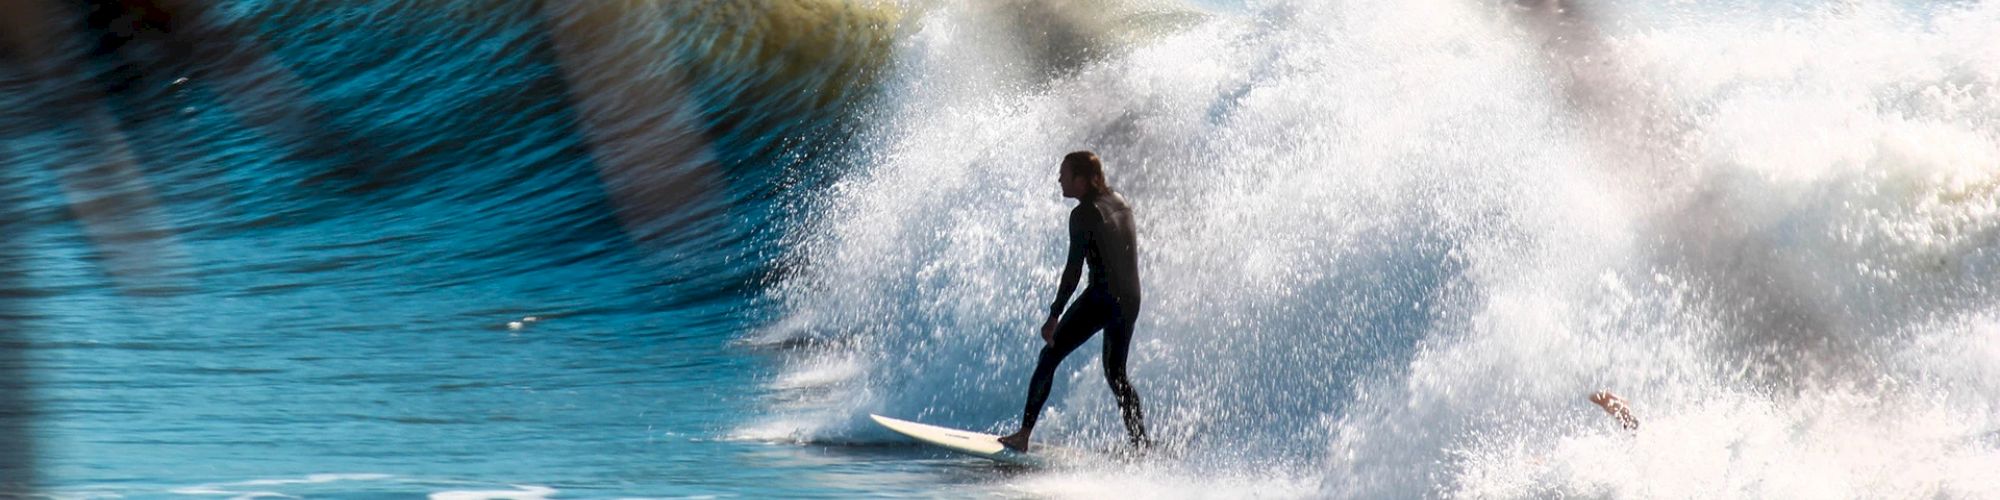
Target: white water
(1390, 246)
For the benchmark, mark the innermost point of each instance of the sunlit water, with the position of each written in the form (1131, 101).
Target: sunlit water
(664, 249)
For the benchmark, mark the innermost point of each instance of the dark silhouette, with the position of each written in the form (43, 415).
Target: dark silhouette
(1102, 234)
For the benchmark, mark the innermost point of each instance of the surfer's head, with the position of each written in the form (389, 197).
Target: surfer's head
(1082, 175)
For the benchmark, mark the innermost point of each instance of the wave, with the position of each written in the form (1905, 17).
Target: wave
(590, 138)
(1392, 247)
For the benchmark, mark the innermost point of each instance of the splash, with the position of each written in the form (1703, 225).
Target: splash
(1392, 247)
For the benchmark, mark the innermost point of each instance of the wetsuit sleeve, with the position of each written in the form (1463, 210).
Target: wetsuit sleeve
(1079, 239)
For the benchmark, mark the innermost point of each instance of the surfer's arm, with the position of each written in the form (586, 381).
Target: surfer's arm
(1072, 270)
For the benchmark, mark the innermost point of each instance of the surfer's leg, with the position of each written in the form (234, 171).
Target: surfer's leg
(1082, 320)
(1117, 343)
(1077, 325)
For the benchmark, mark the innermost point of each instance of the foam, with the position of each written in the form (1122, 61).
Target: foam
(1388, 253)
(520, 492)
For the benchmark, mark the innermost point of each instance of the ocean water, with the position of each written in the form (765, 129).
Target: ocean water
(667, 249)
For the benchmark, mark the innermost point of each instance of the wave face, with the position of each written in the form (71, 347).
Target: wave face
(353, 140)
(1390, 246)
(449, 240)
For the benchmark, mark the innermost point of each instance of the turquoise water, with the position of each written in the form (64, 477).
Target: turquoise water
(325, 218)
(477, 249)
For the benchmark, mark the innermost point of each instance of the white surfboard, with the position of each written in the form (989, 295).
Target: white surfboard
(977, 444)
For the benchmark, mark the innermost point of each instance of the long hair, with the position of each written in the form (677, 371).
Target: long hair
(1086, 165)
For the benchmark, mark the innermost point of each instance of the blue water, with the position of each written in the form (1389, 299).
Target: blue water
(325, 217)
(486, 248)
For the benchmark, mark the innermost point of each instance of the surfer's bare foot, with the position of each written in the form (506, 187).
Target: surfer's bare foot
(1616, 408)
(1017, 441)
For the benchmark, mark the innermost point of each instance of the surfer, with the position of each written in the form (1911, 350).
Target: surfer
(1101, 233)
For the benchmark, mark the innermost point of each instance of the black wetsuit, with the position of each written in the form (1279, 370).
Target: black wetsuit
(1101, 233)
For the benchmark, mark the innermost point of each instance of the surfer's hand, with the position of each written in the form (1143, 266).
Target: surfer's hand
(1049, 331)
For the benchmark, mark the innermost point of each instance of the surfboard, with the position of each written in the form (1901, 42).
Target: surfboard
(977, 444)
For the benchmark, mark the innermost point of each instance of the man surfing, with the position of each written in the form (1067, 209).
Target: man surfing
(1101, 233)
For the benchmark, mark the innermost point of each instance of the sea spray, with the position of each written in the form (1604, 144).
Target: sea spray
(1388, 247)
